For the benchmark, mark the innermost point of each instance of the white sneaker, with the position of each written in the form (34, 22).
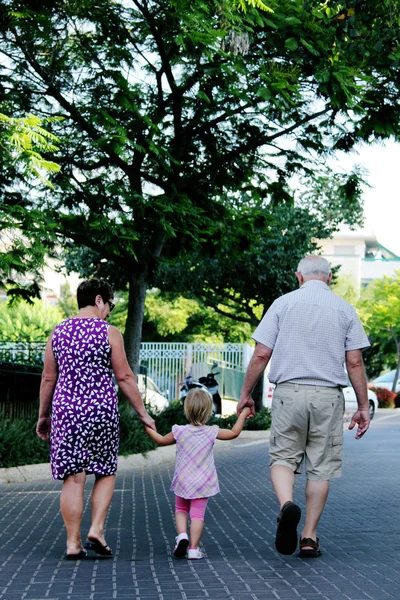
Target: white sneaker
(195, 554)
(181, 545)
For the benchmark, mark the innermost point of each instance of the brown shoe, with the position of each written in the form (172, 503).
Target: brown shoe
(309, 548)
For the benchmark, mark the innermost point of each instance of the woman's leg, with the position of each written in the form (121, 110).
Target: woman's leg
(102, 494)
(71, 507)
(197, 510)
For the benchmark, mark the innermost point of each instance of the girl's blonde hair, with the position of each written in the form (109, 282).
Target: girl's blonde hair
(198, 406)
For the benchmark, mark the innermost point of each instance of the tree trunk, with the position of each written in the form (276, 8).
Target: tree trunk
(134, 321)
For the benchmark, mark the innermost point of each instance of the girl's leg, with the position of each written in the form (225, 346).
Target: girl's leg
(181, 514)
(71, 507)
(197, 510)
(181, 519)
(102, 494)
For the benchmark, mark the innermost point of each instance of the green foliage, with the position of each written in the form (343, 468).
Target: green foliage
(379, 310)
(25, 147)
(169, 317)
(174, 415)
(260, 422)
(250, 261)
(244, 4)
(344, 286)
(133, 438)
(19, 444)
(67, 303)
(27, 323)
(181, 106)
(26, 140)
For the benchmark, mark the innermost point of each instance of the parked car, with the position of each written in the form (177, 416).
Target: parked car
(151, 393)
(351, 401)
(386, 381)
(349, 397)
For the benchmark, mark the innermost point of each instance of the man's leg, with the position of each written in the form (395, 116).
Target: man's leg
(316, 496)
(282, 478)
(283, 482)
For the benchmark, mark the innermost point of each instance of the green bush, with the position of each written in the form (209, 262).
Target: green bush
(19, 444)
(133, 438)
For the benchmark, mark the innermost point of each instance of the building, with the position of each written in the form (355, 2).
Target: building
(360, 256)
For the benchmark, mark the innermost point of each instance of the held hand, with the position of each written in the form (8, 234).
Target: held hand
(362, 419)
(148, 421)
(246, 411)
(246, 401)
(43, 428)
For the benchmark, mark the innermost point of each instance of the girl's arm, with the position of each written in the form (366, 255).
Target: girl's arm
(231, 434)
(161, 440)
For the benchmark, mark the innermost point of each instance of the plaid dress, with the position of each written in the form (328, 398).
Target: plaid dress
(195, 474)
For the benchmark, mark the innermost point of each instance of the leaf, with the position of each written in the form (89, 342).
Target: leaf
(291, 44)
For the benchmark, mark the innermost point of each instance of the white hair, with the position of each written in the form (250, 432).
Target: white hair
(314, 265)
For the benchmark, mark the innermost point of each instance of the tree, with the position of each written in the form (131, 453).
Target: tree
(165, 120)
(252, 260)
(380, 312)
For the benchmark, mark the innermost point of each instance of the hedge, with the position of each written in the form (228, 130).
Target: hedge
(19, 444)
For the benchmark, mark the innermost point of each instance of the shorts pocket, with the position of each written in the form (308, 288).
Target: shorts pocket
(337, 440)
(336, 454)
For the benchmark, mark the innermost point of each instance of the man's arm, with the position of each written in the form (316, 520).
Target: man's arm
(256, 367)
(355, 370)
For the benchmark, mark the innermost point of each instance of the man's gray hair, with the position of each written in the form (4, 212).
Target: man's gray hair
(314, 265)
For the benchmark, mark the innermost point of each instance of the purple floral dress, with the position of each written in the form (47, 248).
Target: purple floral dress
(85, 420)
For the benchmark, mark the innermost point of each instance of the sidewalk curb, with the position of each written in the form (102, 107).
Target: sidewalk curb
(165, 454)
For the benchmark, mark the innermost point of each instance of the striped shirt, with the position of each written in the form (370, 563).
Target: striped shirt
(310, 330)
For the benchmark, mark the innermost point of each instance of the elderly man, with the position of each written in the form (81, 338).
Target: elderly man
(308, 334)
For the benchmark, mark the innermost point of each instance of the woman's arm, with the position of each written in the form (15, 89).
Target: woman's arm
(161, 440)
(47, 385)
(231, 434)
(125, 378)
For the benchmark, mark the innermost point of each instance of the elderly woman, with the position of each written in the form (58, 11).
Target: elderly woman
(79, 411)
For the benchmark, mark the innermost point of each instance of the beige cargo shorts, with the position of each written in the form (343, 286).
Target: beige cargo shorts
(307, 424)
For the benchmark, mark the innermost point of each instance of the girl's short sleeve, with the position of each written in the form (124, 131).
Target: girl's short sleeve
(215, 430)
(176, 431)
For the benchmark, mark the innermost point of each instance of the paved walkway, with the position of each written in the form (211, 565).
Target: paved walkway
(360, 534)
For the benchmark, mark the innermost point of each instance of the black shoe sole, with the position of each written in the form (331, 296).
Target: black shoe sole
(286, 533)
(181, 549)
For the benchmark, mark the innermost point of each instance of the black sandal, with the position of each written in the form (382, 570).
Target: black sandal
(96, 546)
(77, 556)
(313, 551)
(286, 533)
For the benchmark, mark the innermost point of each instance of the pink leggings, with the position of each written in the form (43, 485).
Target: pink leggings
(195, 507)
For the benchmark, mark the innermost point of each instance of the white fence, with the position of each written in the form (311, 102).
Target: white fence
(166, 363)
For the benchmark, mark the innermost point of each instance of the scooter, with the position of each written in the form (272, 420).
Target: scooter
(208, 383)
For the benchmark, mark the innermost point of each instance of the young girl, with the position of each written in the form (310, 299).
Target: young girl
(195, 478)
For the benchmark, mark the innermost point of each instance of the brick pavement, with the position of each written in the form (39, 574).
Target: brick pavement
(360, 535)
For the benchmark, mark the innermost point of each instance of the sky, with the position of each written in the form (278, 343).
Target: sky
(382, 199)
